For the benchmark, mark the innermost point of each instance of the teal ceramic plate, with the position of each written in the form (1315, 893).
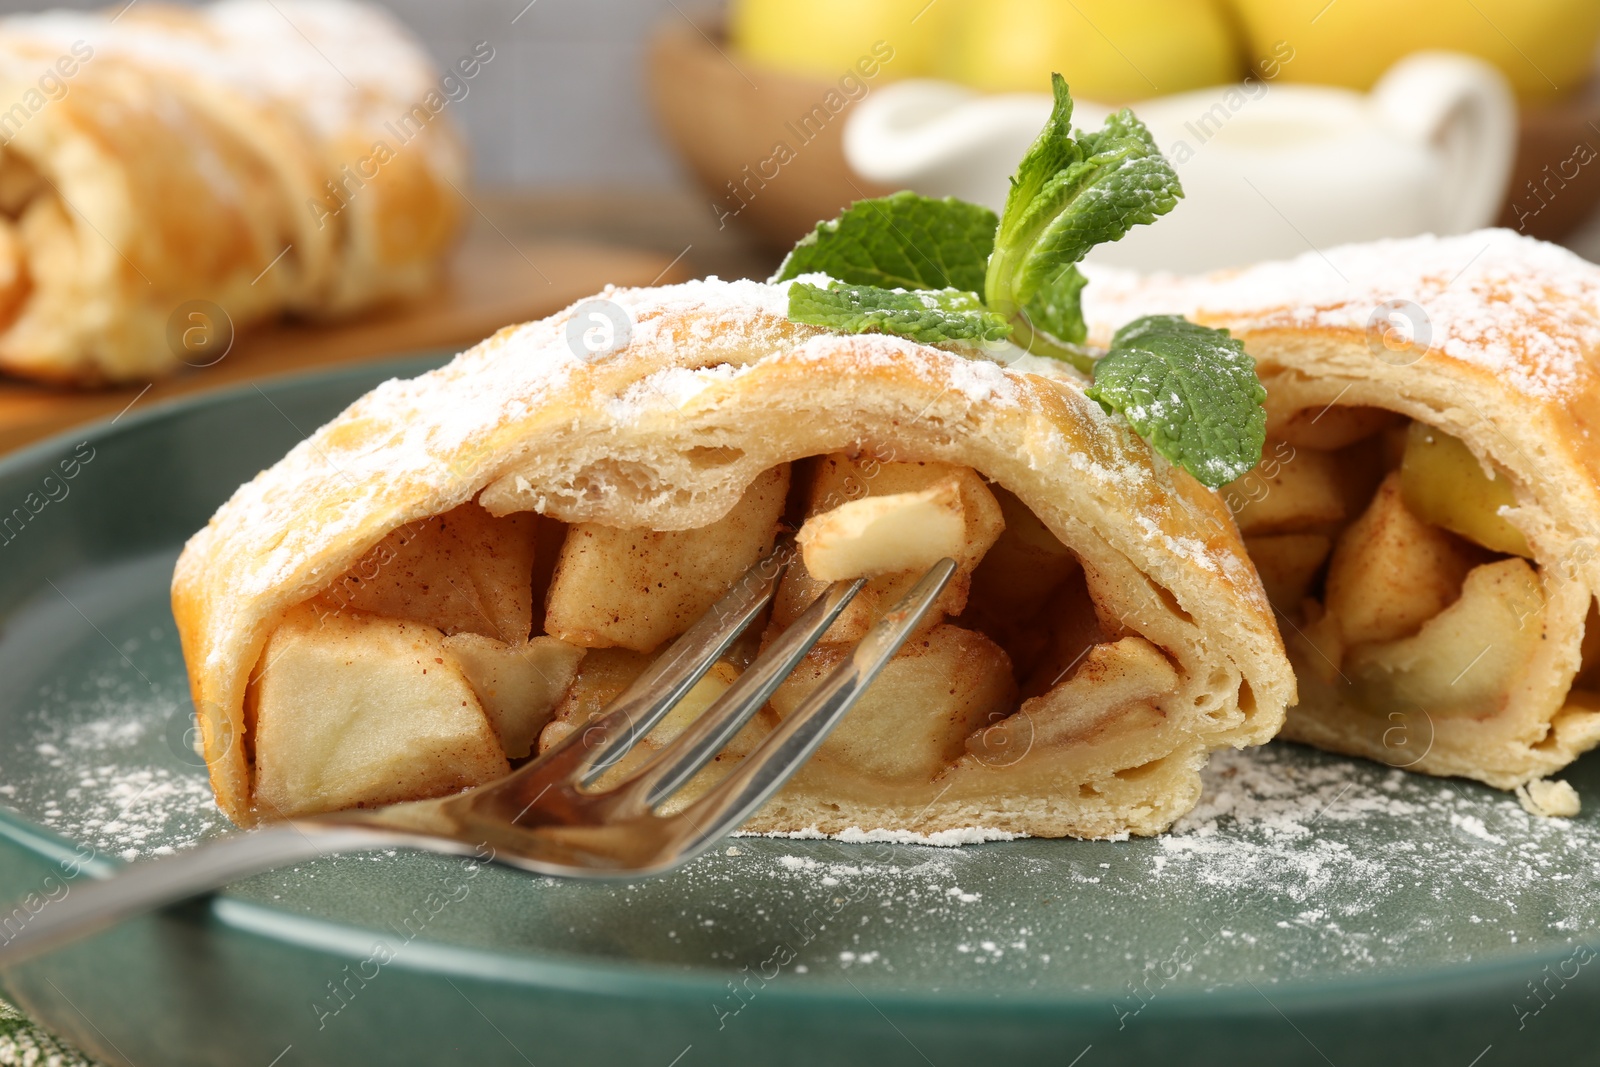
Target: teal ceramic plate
(1312, 910)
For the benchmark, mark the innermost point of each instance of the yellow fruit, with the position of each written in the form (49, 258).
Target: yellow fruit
(870, 39)
(1545, 47)
(1110, 51)
(1443, 483)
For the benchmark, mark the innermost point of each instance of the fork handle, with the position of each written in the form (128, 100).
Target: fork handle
(91, 905)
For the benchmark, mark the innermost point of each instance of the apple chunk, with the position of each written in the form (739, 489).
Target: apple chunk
(363, 711)
(519, 685)
(1445, 484)
(1028, 589)
(884, 534)
(913, 721)
(1114, 679)
(604, 674)
(1466, 659)
(839, 479)
(1286, 494)
(1391, 572)
(1048, 647)
(637, 588)
(461, 572)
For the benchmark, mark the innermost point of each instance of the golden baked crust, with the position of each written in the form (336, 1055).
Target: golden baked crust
(1499, 346)
(169, 156)
(714, 388)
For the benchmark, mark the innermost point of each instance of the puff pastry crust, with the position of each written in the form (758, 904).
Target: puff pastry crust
(161, 156)
(714, 390)
(1498, 346)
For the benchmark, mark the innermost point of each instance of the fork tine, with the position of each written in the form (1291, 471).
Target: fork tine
(700, 742)
(765, 770)
(654, 693)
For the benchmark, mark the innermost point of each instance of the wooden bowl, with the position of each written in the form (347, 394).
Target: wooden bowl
(766, 146)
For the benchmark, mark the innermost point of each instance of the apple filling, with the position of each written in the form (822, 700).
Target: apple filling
(465, 642)
(1412, 597)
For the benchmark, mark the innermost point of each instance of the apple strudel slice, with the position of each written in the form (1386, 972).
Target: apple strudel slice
(1425, 513)
(465, 567)
(169, 174)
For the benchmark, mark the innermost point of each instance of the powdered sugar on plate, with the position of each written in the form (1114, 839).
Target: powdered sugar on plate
(87, 790)
(975, 835)
(1293, 863)
(95, 735)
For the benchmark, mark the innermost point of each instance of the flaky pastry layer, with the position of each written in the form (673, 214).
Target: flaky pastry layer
(1495, 340)
(714, 387)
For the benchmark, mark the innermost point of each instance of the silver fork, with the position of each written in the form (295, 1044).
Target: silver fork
(546, 817)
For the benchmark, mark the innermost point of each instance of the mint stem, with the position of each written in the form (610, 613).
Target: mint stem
(1040, 344)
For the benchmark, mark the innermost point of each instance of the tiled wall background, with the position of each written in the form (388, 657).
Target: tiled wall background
(562, 103)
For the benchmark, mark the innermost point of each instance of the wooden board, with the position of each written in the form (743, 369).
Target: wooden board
(493, 281)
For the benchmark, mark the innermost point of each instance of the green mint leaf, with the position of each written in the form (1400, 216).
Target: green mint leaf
(1070, 193)
(902, 241)
(1053, 151)
(1124, 182)
(1189, 390)
(926, 316)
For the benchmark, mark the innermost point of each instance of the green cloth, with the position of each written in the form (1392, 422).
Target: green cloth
(23, 1044)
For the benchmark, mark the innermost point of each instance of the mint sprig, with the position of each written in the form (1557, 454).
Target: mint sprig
(901, 241)
(913, 266)
(1069, 194)
(1190, 390)
(928, 316)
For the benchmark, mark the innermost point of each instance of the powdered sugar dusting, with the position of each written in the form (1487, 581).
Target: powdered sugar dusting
(436, 418)
(711, 292)
(1293, 863)
(1189, 548)
(938, 839)
(670, 389)
(441, 437)
(1525, 310)
(85, 787)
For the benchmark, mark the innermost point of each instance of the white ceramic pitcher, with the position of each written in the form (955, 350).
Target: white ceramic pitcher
(1270, 169)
